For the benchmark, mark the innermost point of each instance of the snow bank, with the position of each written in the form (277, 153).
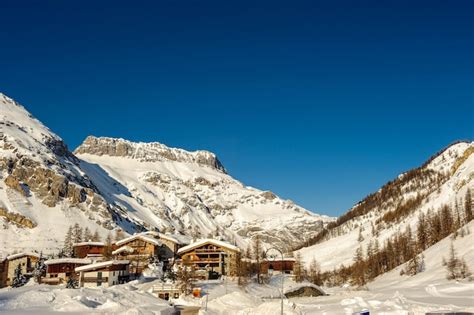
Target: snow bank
(44, 299)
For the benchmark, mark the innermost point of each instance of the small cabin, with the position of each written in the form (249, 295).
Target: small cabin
(103, 274)
(93, 250)
(210, 258)
(278, 265)
(59, 271)
(27, 262)
(166, 291)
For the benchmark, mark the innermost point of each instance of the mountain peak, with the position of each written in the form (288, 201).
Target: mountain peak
(146, 151)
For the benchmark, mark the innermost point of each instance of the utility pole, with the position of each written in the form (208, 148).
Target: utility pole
(281, 271)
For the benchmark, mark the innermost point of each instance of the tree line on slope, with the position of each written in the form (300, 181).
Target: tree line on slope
(406, 246)
(75, 234)
(421, 180)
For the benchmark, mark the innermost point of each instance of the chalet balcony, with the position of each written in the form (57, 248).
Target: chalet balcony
(208, 250)
(95, 279)
(203, 260)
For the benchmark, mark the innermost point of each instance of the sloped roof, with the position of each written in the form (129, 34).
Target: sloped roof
(19, 255)
(139, 236)
(68, 260)
(207, 241)
(102, 265)
(123, 249)
(177, 239)
(89, 243)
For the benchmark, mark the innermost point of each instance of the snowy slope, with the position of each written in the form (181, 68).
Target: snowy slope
(117, 184)
(42, 188)
(190, 192)
(455, 165)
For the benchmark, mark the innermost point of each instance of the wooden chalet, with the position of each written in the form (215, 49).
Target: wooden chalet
(103, 274)
(58, 271)
(94, 250)
(210, 258)
(138, 249)
(27, 262)
(170, 244)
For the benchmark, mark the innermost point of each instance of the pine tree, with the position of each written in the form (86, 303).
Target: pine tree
(72, 283)
(40, 269)
(457, 268)
(298, 268)
(257, 255)
(358, 268)
(96, 237)
(87, 235)
(68, 241)
(242, 270)
(315, 272)
(108, 247)
(447, 222)
(468, 206)
(76, 233)
(184, 279)
(360, 238)
(18, 279)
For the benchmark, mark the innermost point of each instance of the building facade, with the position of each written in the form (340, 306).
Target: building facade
(59, 271)
(278, 265)
(103, 274)
(138, 249)
(93, 250)
(27, 262)
(209, 258)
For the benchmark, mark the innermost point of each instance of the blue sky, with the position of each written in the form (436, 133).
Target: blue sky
(320, 102)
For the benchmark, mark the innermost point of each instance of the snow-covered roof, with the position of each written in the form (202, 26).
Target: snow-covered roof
(208, 241)
(102, 265)
(173, 238)
(89, 244)
(139, 236)
(278, 258)
(19, 255)
(298, 286)
(123, 249)
(68, 260)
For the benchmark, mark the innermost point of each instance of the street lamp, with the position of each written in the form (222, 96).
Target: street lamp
(273, 257)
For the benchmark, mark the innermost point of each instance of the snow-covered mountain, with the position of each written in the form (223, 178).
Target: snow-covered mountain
(443, 180)
(190, 192)
(116, 184)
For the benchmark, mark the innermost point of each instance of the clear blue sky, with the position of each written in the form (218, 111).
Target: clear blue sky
(321, 102)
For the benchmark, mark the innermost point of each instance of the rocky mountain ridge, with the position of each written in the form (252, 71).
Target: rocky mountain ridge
(111, 184)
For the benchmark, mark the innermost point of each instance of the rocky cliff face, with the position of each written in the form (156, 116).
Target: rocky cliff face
(190, 193)
(146, 152)
(112, 184)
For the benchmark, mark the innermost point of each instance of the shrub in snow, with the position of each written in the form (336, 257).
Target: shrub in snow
(456, 267)
(414, 266)
(72, 283)
(19, 279)
(40, 269)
